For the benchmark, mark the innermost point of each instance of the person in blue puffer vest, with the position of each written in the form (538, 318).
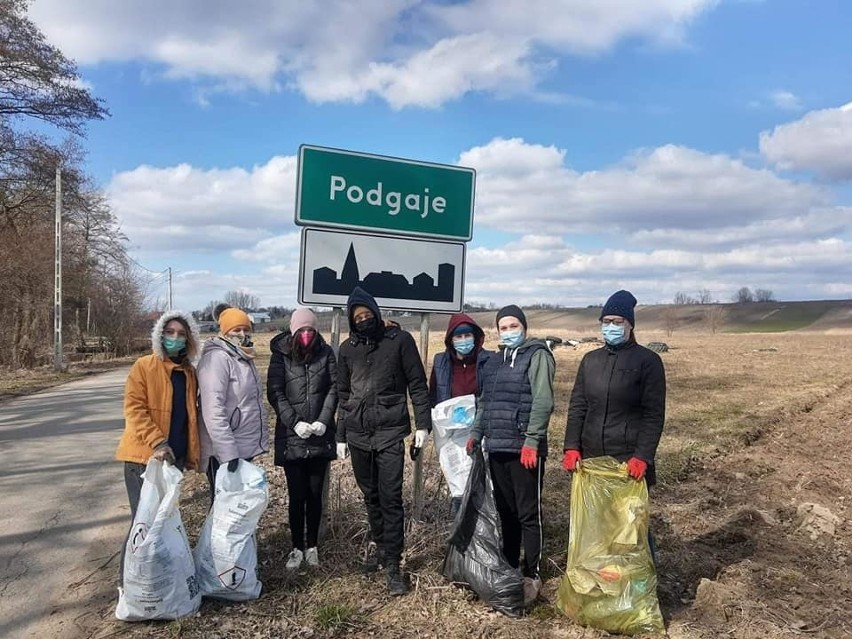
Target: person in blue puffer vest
(456, 371)
(513, 414)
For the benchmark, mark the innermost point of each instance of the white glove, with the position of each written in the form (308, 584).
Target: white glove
(342, 450)
(420, 437)
(303, 429)
(318, 428)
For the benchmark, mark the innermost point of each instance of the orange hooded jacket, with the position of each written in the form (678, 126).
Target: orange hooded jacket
(148, 399)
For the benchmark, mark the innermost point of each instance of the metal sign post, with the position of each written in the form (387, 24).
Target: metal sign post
(326, 484)
(418, 463)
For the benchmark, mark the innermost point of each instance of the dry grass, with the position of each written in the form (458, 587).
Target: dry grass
(732, 407)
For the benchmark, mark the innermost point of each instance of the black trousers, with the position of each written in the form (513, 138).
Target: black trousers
(379, 476)
(305, 479)
(517, 495)
(133, 483)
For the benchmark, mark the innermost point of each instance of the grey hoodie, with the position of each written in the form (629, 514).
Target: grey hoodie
(232, 420)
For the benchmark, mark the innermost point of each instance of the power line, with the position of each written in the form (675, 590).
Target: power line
(145, 268)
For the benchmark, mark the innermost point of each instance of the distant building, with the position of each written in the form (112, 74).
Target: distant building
(259, 318)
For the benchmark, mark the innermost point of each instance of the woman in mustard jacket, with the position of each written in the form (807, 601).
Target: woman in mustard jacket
(160, 418)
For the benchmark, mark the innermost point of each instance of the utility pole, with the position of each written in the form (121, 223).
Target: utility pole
(57, 277)
(170, 288)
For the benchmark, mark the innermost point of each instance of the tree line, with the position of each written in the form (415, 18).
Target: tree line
(103, 291)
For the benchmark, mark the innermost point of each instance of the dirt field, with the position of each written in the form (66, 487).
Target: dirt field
(751, 515)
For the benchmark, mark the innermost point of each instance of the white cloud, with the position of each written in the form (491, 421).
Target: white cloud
(672, 219)
(819, 142)
(521, 185)
(575, 25)
(406, 52)
(786, 100)
(524, 272)
(183, 207)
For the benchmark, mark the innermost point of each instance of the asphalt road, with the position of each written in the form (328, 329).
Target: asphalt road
(63, 507)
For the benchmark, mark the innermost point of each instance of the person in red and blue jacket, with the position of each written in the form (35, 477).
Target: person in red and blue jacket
(457, 370)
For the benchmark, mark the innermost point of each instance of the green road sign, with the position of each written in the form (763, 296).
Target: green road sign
(345, 189)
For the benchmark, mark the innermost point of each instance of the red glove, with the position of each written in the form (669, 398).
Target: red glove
(471, 445)
(571, 459)
(529, 457)
(636, 468)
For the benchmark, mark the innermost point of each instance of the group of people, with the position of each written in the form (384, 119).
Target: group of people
(199, 406)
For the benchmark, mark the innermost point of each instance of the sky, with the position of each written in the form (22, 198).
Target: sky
(661, 146)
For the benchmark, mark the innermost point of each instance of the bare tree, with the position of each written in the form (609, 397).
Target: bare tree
(744, 295)
(763, 295)
(682, 298)
(705, 296)
(242, 299)
(36, 79)
(670, 317)
(715, 316)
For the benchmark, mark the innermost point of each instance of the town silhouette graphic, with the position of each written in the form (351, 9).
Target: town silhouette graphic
(385, 283)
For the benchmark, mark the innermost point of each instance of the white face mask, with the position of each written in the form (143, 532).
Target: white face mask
(239, 340)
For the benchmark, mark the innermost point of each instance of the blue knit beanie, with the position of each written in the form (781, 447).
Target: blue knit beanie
(462, 328)
(620, 303)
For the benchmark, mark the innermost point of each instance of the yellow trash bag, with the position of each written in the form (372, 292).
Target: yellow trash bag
(610, 582)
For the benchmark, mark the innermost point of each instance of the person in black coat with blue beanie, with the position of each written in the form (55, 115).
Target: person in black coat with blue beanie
(618, 403)
(302, 389)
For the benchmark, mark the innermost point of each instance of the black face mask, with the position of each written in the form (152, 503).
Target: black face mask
(367, 326)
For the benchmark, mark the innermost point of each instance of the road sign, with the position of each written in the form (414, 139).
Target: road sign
(346, 189)
(402, 273)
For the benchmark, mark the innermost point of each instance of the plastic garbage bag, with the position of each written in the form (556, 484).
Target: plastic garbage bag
(159, 573)
(475, 547)
(226, 553)
(451, 422)
(610, 582)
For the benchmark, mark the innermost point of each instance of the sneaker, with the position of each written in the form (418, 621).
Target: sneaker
(294, 560)
(396, 581)
(312, 557)
(374, 560)
(532, 586)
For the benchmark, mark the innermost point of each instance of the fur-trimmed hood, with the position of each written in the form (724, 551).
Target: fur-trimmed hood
(193, 351)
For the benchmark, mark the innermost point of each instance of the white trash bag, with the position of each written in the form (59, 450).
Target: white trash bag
(451, 422)
(159, 573)
(226, 553)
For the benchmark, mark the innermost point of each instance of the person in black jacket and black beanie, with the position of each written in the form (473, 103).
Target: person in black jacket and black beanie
(377, 365)
(618, 403)
(302, 388)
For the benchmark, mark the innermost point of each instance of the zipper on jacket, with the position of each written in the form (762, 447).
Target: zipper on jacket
(614, 355)
(308, 412)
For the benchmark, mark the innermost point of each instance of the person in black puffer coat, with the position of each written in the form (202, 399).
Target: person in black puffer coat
(302, 388)
(377, 366)
(618, 403)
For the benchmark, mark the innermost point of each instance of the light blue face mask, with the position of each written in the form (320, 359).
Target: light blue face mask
(174, 345)
(464, 346)
(512, 339)
(614, 335)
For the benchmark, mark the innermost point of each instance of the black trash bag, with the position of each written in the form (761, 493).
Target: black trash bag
(475, 547)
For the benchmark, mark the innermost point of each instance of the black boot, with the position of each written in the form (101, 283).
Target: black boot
(397, 585)
(375, 559)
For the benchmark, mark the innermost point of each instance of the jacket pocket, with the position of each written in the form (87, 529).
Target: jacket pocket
(235, 419)
(389, 410)
(521, 426)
